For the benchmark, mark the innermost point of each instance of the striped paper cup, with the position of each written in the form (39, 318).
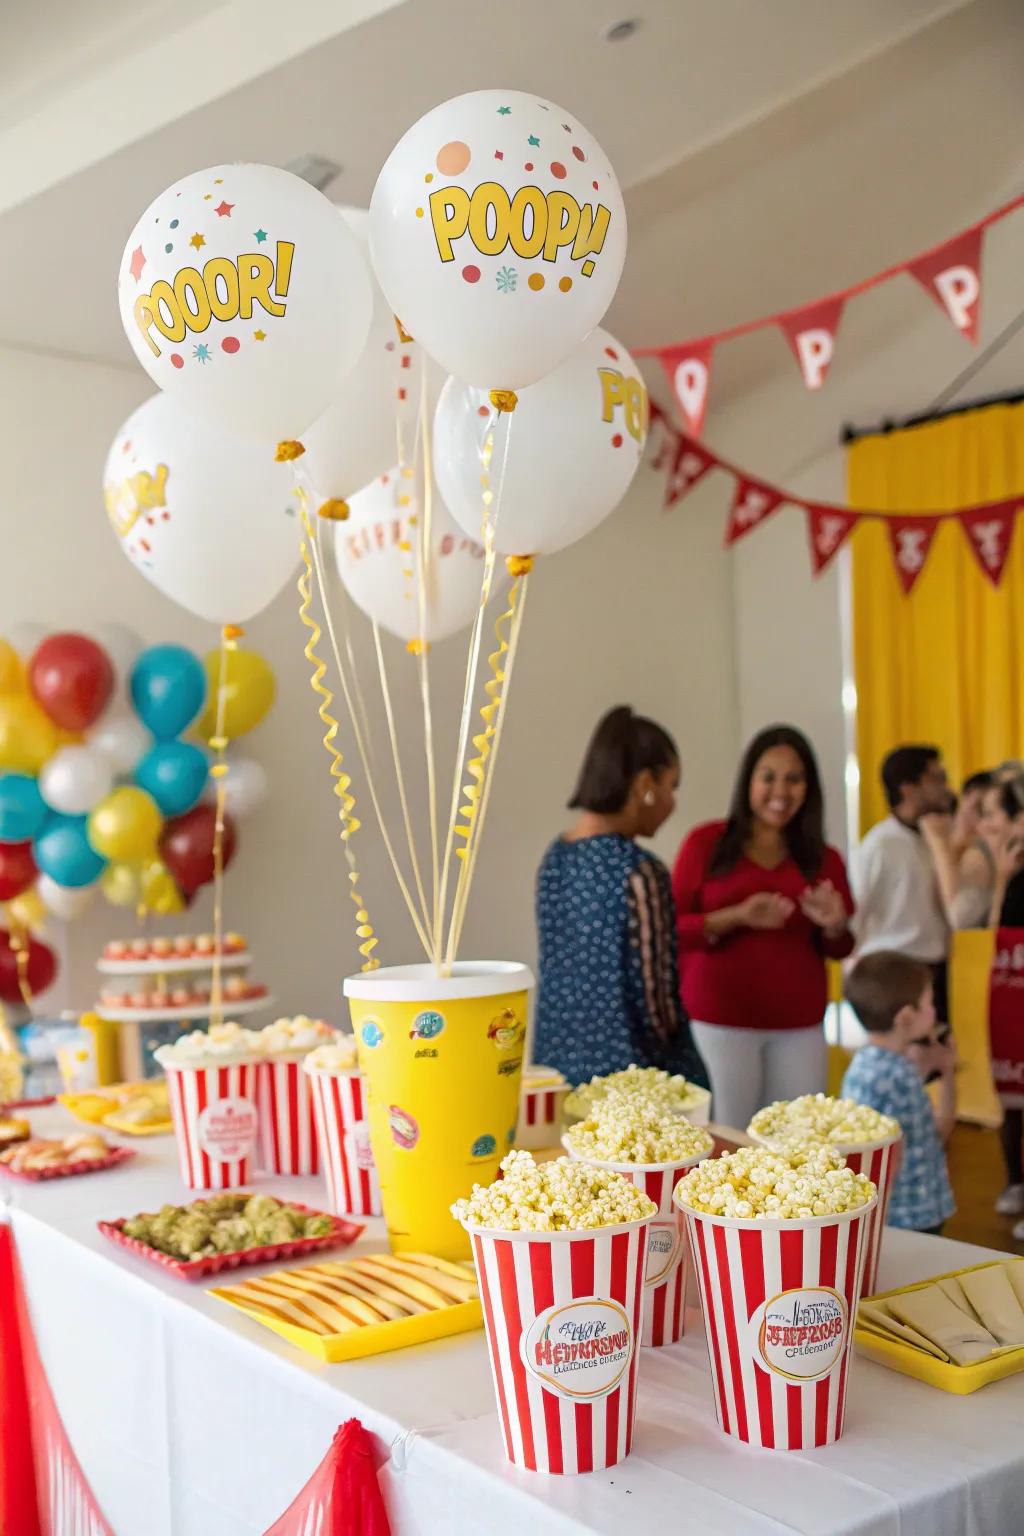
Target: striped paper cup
(779, 1300)
(215, 1119)
(562, 1312)
(540, 1116)
(287, 1142)
(339, 1106)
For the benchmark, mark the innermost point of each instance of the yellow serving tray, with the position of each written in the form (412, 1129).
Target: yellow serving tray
(960, 1379)
(86, 1104)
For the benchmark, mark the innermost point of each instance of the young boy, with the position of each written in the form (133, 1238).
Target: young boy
(891, 994)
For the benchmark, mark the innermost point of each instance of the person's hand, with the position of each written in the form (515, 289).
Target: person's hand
(1010, 856)
(766, 909)
(965, 823)
(945, 1056)
(824, 906)
(936, 826)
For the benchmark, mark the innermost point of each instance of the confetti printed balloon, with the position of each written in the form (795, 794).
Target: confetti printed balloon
(244, 294)
(576, 443)
(205, 517)
(498, 233)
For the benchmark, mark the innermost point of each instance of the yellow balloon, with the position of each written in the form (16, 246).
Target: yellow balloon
(125, 826)
(26, 910)
(160, 891)
(249, 693)
(12, 670)
(121, 885)
(27, 736)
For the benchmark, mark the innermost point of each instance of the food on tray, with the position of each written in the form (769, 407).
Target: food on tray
(620, 1130)
(333, 1297)
(647, 1085)
(12, 1130)
(227, 1223)
(930, 1311)
(235, 988)
(132, 1107)
(340, 1056)
(878, 1315)
(993, 1299)
(184, 947)
(35, 1156)
(560, 1196)
(295, 1036)
(216, 1046)
(758, 1183)
(815, 1117)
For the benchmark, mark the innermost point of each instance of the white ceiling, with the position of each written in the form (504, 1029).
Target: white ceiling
(771, 152)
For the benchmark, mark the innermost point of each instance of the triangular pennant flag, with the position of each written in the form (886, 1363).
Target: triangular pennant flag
(690, 464)
(952, 275)
(911, 539)
(666, 435)
(751, 504)
(688, 369)
(989, 532)
(343, 1497)
(811, 334)
(827, 531)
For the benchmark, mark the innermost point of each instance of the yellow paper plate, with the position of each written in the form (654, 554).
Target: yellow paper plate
(103, 1106)
(960, 1379)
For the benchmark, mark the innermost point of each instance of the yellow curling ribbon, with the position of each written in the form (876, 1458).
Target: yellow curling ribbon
(504, 399)
(476, 768)
(288, 450)
(346, 809)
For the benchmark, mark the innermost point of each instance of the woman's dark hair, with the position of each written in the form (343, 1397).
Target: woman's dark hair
(804, 835)
(1011, 797)
(623, 745)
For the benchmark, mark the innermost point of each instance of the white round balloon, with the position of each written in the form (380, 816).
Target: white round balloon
(245, 787)
(64, 901)
(382, 578)
(575, 442)
(121, 739)
(244, 294)
(75, 779)
(498, 233)
(205, 517)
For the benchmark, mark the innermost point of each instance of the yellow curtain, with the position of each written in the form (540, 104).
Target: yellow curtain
(944, 665)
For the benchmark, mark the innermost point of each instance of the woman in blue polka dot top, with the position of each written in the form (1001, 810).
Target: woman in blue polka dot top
(609, 992)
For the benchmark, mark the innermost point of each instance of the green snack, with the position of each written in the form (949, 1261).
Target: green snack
(231, 1234)
(316, 1226)
(224, 1223)
(260, 1207)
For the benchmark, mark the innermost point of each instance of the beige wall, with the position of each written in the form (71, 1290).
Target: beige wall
(641, 612)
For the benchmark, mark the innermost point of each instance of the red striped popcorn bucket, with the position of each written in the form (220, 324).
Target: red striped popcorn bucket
(215, 1119)
(540, 1114)
(562, 1313)
(288, 1142)
(779, 1300)
(339, 1106)
(880, 1160)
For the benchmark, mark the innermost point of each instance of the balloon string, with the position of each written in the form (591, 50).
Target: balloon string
(357, 689)
(346, 808)
(480, 769)
(423, 658)
(218, 772)
(19, 944)
(399, 775)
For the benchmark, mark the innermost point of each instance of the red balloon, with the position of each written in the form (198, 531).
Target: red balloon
(186, 846)
(72, 677)
(40, 972)
(17, 869)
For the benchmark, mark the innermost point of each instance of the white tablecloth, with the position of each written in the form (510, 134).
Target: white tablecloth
(191, 1420)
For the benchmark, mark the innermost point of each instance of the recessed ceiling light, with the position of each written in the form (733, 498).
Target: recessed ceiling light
(318, 170)
(620, 30)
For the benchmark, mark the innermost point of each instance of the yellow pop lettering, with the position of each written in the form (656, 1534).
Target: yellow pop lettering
(188, 283)
(631, 394)
(613, 392)
(593, 227)
(173, 327)
(449, 214)
(528, 199)
(563, 222)
(255, 275)
(220, 278)
(489, 198)
(144, 318)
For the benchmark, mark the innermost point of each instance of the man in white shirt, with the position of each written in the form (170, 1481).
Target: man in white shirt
(899, 905)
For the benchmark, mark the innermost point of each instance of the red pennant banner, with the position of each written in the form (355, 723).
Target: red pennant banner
(989, 532)
(690, 464)
(811, 334)
(952, 275)
(689, 372)
(911, 539)
(827, 531)
(751, 504)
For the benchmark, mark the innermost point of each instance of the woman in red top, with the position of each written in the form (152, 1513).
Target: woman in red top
(760, 902)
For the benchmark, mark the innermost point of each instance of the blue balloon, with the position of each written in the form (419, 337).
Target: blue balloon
(22, 808)
(174, 773)
(168, 689)
(63, 852)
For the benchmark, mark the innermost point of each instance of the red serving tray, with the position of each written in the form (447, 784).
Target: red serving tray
(342, 1233)
(69, 1170)
(8, 1109)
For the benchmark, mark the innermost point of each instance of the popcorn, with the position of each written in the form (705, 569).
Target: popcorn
(340, 1056)
(220, 1044)
(814, 1119)
(760, 1184)
(625, 1129)
(651, 1087)
(560, 1196)
(292, 1036)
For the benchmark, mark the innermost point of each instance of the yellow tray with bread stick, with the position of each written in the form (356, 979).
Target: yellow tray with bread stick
(347, 1309)
(875, 1340)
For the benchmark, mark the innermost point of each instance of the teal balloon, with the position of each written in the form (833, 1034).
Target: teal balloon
(174, 773)
(22, 808)
(168, 688)
(63, 852)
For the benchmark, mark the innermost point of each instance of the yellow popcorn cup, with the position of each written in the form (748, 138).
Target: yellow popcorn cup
(441, 1059)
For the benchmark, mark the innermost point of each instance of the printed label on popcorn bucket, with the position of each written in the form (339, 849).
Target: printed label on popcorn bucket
(664, 1241)
(801, 1334)
(580, 1350)
(357, 1146)
(227, 1129)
